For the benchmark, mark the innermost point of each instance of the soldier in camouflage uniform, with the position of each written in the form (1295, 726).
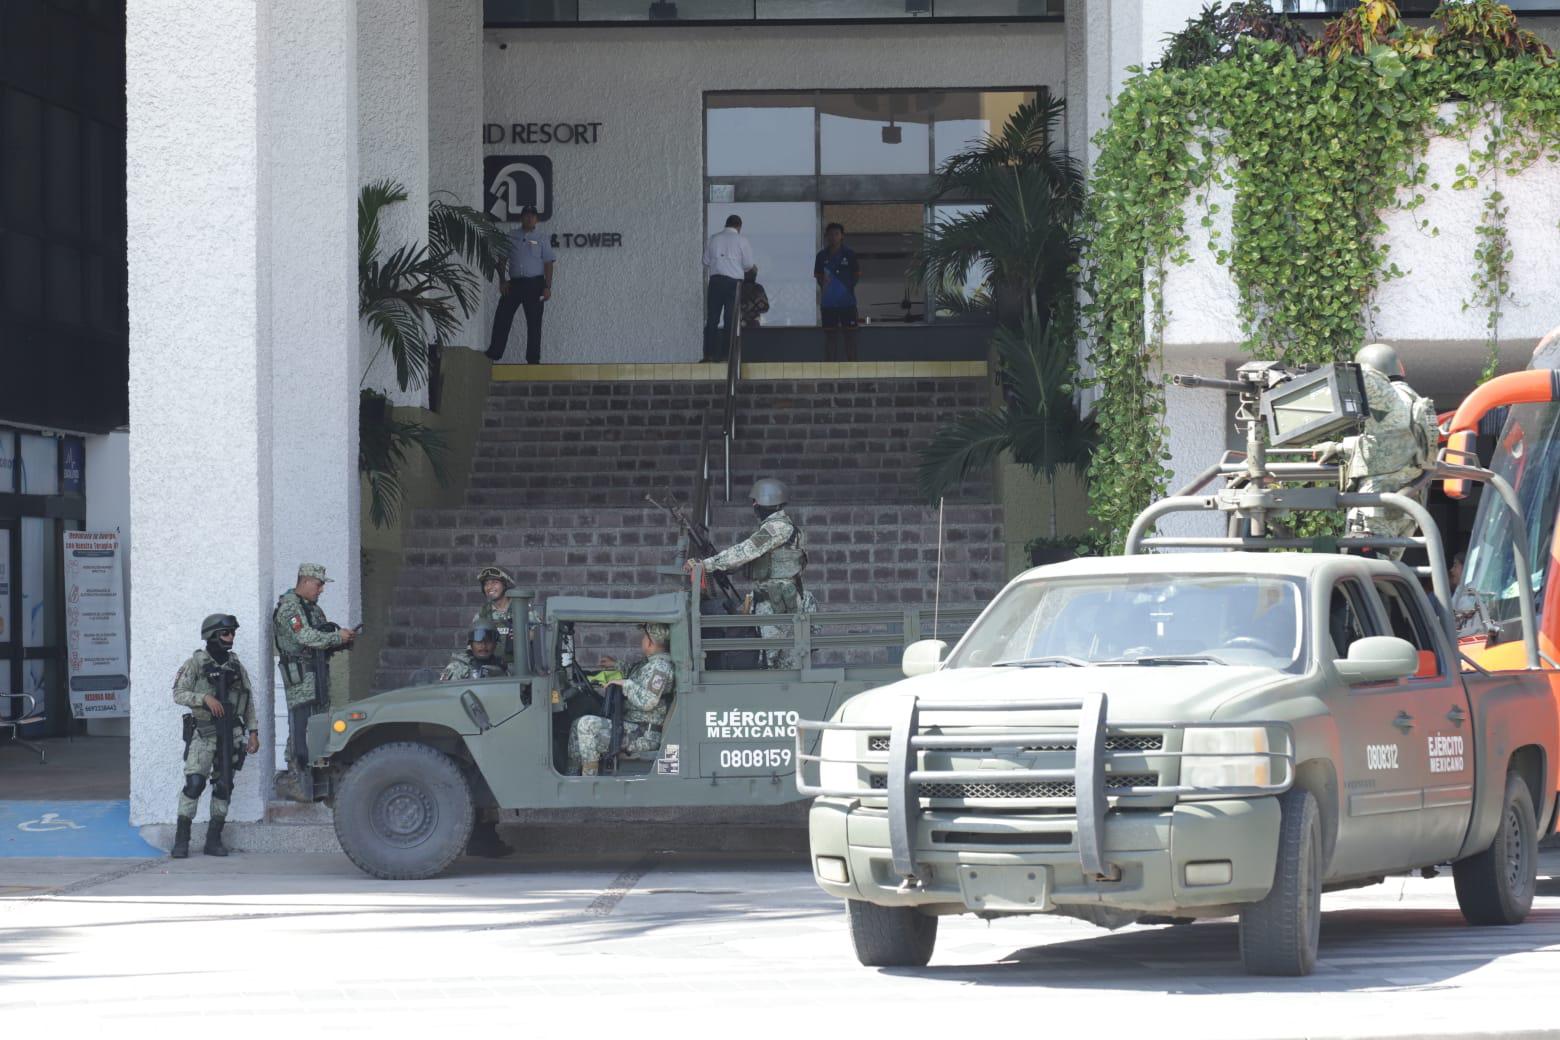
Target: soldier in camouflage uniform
(301, 630)
(497, 612)
(1399, 440)
(775, 560)
(478, 660)
(647, 697)
(197, 687)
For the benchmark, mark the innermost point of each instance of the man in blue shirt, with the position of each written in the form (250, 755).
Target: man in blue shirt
(837, 271)
(529, 285)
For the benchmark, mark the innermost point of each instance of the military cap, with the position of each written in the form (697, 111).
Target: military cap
(215, 623)
(488, 573)
(658, 632)
(313, 570)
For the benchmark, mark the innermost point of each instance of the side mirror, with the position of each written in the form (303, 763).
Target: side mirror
(1378, 659)
(924, 657)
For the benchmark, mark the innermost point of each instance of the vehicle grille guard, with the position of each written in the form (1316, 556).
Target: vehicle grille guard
(907, 774)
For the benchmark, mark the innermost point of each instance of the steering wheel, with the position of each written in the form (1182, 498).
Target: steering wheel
(1252, 643)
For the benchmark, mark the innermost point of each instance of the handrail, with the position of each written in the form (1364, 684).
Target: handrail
(700, 510)
(733, 378)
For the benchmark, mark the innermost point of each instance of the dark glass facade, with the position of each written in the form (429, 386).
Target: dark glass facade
(64, 345)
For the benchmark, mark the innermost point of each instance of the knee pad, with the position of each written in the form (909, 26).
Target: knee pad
(221, 791)
(194, 784)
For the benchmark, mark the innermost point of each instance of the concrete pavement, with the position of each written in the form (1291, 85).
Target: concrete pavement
(712, 944)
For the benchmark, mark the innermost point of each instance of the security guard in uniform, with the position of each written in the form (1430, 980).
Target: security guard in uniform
(214, 686)
(775, 560)
(304, 639)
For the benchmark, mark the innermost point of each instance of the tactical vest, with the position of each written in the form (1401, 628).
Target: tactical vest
(785, 561)
(292, 657)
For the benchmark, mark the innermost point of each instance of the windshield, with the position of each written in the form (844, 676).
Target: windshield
(1233, 619)
(1528, 455)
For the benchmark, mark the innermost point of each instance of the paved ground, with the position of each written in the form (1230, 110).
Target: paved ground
(89, 768)
(711, 945)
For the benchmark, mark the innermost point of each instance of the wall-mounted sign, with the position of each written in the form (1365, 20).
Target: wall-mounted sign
(589, 240)
(72, 454)
(512, 182)
(541, 133)
(95, 626)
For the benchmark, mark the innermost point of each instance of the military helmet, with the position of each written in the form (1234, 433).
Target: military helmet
(486, 574)
(767, 491)
(1382, 358)
(659, 632)
(484, 634)
(215, 623)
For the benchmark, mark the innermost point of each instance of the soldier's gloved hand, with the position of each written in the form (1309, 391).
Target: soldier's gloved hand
(347, 636)
(690, 566)
(254, 743)
(215, 707)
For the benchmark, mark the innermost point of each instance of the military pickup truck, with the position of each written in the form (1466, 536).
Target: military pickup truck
(1173, 736)
(413, 775)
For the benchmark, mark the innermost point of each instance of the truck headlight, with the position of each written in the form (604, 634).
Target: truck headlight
(1203, 767)
(838, 771)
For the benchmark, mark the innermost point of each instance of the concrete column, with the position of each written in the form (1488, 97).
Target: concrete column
(200, 366)
(393, 141)
(313, 155)
(455, 124)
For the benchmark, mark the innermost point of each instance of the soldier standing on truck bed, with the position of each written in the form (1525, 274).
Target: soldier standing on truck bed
(1399, 440)
(216, 689)
(647, 697)
(304, 640)
(775, 560)
(497, 611)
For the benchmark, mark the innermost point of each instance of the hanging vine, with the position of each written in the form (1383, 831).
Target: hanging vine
(1316, 145)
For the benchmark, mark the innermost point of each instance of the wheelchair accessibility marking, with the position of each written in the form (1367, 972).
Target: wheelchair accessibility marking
(74, 829)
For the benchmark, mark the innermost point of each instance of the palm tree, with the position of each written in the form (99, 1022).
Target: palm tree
(1037, 422)
(415, 292)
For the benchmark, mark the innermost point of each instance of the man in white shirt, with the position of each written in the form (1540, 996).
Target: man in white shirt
(727, 255)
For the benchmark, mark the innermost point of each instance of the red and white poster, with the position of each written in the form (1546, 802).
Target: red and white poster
(95, 626)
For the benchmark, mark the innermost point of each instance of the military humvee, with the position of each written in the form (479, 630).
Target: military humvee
(412, 774)
(1195, 734)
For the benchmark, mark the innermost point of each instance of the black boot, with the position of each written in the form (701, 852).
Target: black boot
(181, 839)
(214, 846)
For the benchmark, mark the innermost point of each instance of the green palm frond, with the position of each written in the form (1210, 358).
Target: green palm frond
(467, 234)
(385, 444)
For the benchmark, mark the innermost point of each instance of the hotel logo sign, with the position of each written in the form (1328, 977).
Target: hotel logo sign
(512, 182)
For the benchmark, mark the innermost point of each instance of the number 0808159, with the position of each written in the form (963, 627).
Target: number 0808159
(755, 758)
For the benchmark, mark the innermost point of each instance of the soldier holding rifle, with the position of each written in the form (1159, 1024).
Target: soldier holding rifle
(216, 689)
(304, 642)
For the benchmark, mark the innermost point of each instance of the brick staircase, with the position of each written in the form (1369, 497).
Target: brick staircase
(556, 496)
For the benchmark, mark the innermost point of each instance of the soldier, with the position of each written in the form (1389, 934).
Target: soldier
(216, 689)
(477, 661)
(1399, 440)
(647, 696)
(497, 612)
(775, 560)
(304, 639)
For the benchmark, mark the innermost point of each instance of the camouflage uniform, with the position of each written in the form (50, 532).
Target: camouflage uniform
(647, 697)
(465, 665)
(775, 560)
(299, 628)
(196, 680)
(504, 622)
(1398, 441)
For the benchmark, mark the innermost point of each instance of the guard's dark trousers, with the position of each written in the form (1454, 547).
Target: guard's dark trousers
(527, 293)
(721, 303)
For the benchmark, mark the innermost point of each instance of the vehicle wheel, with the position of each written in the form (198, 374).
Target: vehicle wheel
(1280, 935)
(1496, 886)
(891, 936)
(403, 812)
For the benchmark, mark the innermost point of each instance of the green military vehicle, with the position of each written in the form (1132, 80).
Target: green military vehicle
(413, 774)
(1171, 736)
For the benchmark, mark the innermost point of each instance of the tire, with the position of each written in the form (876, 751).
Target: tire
(403, 812)
(1496, 886)
(891, 936)
(1280, 934)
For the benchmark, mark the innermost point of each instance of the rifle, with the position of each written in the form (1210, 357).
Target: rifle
(225, 764)
(699, 542)
(319, 665)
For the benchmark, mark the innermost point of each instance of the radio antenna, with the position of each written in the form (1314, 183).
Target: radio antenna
(937, 587)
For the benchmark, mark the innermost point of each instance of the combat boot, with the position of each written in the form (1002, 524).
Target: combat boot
(590, 768)
(214, 846)
(181, 839)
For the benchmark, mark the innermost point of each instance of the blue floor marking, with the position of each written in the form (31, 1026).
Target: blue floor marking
(77, 829)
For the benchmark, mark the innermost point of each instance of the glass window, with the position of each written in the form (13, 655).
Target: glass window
(62, 195)
(21, 175)
(964, 119)
(759, 135)
(40, 582)
(882, 236)
(841, 9)
(784, 237)
(1527, 455)
(21, 273)
(973, 298)
(7, 462)
(1209, 619)
(664, 10)
(40, 472)
(875, 133)
(997, 8)
(6, 627)
(1347, 618)
(1407, 622)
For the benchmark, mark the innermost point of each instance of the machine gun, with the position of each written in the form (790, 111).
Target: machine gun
(227, 762)
(699, 542)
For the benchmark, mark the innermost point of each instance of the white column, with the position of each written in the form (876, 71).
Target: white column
(455, 124)
(200, 378)
(313, 155)
(392, 63)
